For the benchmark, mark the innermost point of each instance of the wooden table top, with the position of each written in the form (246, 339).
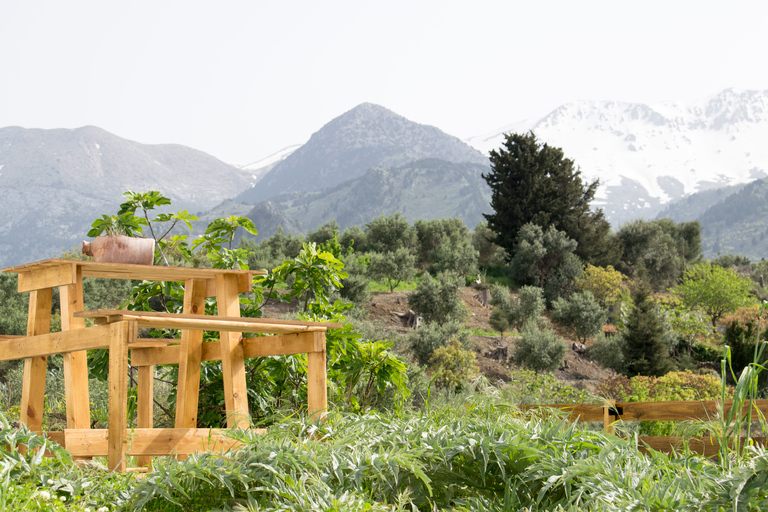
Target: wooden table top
(123, 271)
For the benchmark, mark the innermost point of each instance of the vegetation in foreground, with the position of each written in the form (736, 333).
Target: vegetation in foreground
(470, 452)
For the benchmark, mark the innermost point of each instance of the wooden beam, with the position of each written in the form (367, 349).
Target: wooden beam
(317, 386)
(145, 405)
(231, 351)
(121, 332)
(75, 362)
(262, 346)
(199, 321)
(707, 446)
(152, 442)
(138, 272)
(36, 367)
(577, 412)
(54, 343)
(680, 411)
(46, 277)
(188, 387)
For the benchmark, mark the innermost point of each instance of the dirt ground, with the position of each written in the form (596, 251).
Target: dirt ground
(578, 370)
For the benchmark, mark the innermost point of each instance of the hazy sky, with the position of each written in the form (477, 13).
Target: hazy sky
(243, 79)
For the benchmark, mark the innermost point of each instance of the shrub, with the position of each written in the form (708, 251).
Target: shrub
(529, 305)
(581, 314)
(453, 366)
(438, 300)
(609, 352)
(355, 286)
(394, 266)
(605, 284)
(432, 336)
(540, 350)
(646, 347)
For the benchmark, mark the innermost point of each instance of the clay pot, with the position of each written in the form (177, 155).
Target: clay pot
(121, 249)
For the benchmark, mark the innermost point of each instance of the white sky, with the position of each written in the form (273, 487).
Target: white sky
(243, 79)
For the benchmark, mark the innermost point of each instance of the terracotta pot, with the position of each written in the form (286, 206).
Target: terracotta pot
(121, 249)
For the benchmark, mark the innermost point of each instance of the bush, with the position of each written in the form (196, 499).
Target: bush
(529, 305)
(394, 266)
(438, 300)
(581, 314)
(608, 352)
(432, 336)
(540, 350)
(453, 366)
(355, 286)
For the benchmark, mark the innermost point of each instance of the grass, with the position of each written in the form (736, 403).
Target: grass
(477, 331)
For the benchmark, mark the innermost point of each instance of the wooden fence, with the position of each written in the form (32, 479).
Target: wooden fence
(610, 412)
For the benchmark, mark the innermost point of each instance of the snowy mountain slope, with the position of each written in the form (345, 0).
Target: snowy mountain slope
(646, 156)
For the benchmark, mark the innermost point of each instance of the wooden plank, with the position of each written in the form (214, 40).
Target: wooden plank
(577, 412)
(231, 350)
(680, 411)
(145, 405)
(263, 346)
(188, 386)
(57, 436)
(139, 272)
(317, 386)
(206, 322)
(121, 332)
(35, 368)
(46, 277)
(704, 445)
(76, 362)
(54, 343)
(152, 442)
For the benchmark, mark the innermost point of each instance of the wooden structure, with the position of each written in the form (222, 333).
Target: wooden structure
(116, 330)
(611, 412)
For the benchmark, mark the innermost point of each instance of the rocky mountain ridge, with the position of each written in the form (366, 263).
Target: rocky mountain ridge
(648, 156)
(54, 183)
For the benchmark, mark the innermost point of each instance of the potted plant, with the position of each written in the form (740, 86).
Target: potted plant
(115, 241)
(123, 240)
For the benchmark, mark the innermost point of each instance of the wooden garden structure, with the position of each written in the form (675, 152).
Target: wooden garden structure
(117, 331)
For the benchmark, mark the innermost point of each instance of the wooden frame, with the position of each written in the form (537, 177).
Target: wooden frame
(117, 331)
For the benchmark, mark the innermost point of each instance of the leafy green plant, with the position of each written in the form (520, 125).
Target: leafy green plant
(432, 336)
(127, 223)
(537, 349)
(581, 314)
(453, 365)
(437, 300)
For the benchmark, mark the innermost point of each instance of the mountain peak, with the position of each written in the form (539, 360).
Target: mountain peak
(360, 139)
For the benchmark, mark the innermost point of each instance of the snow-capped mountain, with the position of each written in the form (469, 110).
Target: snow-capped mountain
(646, 156)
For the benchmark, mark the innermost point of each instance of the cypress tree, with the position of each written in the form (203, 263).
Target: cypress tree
(534, 182)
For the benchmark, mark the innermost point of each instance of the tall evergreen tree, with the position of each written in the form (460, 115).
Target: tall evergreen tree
(646, 350)
(534, 182)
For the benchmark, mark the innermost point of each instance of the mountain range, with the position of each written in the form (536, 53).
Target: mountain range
(54, 183)
(647, 156)
(371, 161)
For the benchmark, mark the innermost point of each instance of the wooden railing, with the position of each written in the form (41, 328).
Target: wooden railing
(610, 412)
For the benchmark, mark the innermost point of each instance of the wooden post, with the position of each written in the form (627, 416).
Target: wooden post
(232, 360)
(317, 389)
(120, 334)
(75, 363)
(607, 418)
(36, 368)
(145, 409)
(188, 387)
